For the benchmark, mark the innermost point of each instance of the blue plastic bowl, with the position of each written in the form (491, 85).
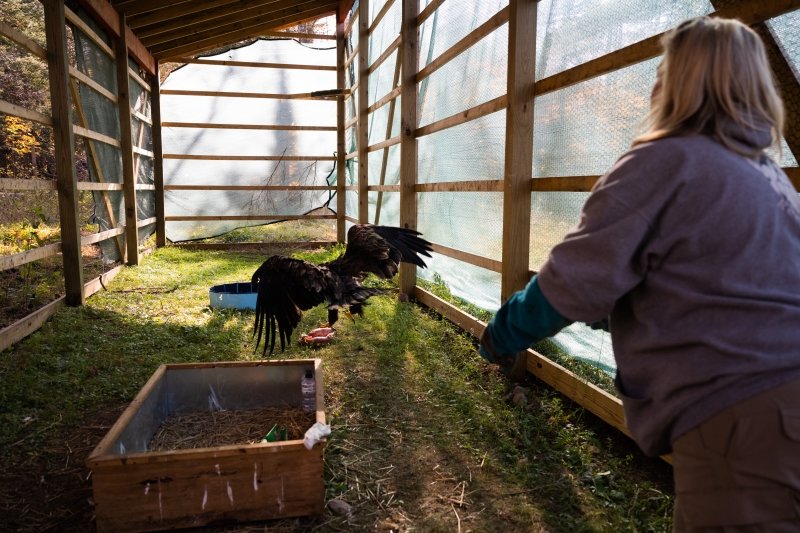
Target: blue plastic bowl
(233, 296)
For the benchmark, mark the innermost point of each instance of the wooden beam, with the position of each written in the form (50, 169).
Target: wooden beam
(109, 18)
(519, 146)
(234, 33)
(95, 186)
(271, 127)
(471, 259)
(33, 184)
(233, 94)
(8, 108)
(387, 5)
(428, 11)
(254, 246)
(101, 236)
(409, 119)
(462, 186)
(480, 110)
(174, 15)
(341, 174)
(8, 262)
(464, 44)
(20, 329)
(393, 140)
(23, 40)
(388, 97)
(386, 54)
(137, 7)
(747, 11)
(250, 188)
(254, 64)
(125, 126)
(58, 68)
(344, 9)
(214, 218)
(363, 113)
(252, 157)
(158, 159)
(564, 184)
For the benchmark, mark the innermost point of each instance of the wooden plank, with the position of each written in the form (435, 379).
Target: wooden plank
(158, 159)
(472, 259)
(428, 11)
(389, 127)
(141, 151)
(8, 262)
(391, 96)
(299, 35)
(386, 54)
(145, 187)
(564, 184)
(383, 145)
(8, 108)
(351, 58)
(58, 72)
(145, 222)
(76, 21)
(351, 219)
(95, 136)
(253, 64)
(254, 246)
(126, 133)
(101, 236)
(99, 186)
(349, 26)
(461, 186)
(101, 281)
(458, 48)
(384, 188)
(379, 15)
(363, 113)
(480, 110)
(177, 15)
(268, 127)
(89, 82)
(141, 118)
(409, 120)
(252, 157)
(209, 218)
(12, 184)
(519, 147)
(233, 33)
(20, 329)
(229, 94)
(23, 40)
(141, 82)
(341, 174)
(249, 188)
(747, 11)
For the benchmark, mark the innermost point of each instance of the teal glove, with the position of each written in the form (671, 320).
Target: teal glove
(525, 318)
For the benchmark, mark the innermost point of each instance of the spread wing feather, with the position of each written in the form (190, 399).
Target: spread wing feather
(379, 250)
(284, 288)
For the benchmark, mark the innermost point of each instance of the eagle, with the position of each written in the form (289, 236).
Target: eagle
(285, 287)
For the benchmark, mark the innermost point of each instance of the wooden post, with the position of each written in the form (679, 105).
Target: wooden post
(518, 156)
(67, 183)
(363, 114)
(158, 157)
(341, 174)
(409, 56)
(126, 141)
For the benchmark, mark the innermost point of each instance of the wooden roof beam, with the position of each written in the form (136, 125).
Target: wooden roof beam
(190, 12)
(214, 40)
(107, 16)
(137, 7)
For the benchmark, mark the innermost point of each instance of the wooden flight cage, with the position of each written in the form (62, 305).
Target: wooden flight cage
(516, 185)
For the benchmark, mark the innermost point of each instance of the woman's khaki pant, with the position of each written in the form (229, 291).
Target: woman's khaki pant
(740, 470)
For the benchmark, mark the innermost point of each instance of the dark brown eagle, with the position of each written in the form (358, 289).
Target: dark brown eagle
(286, 287)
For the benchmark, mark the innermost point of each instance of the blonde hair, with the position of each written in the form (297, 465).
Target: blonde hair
(714, 74)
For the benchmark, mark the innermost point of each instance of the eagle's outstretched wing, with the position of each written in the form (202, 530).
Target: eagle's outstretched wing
(285, 287)
(379, 250)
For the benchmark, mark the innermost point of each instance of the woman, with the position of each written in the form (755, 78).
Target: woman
(691, 243)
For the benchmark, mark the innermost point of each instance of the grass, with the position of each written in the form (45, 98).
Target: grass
(423, 438)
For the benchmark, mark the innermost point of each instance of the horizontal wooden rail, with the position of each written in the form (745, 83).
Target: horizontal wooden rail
(12, 184)
(392, 48)
(146, 222)
(461, 186)
(95, 86)
(212, 218)
(351, 57)
(384, 188)
(249, 188)
(379, 16)
(144, 187)
(480, 110)
(21, 112)
(351, 219)
(466, 257)
(564, 184)
(749, 12)
(96, 186)
(270, 127)
(34, 254)
(299, 35)
(102, 236)
(428, 11)
(254, 64)
(255, 246)
(89, 32)
(351, 155)
(350, 123)
(141, 82)
(384, 144)
(142, 151)
(388, 97)
(95, 136)
(23, 40)
(252, 157)
(458, 48)
(228, 94)
(142, 118)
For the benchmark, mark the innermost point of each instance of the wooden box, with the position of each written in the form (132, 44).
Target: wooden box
(140, 490)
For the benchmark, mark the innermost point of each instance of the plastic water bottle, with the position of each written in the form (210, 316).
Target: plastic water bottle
(309, 389)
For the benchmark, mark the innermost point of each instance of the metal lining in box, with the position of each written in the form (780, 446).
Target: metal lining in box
(140, 490)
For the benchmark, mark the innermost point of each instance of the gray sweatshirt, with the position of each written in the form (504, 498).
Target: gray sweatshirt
(694, 252)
